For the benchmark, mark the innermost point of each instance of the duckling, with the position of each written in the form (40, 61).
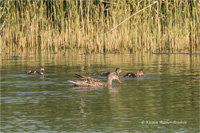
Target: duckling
(132, 75)
(107, 73)
(41, 72)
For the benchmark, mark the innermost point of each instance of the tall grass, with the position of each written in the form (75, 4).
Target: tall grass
(73, 24)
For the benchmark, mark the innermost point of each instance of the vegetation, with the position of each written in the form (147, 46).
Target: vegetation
(78, 24)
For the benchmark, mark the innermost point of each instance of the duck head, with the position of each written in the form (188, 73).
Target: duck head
(140, 73)
(112, 76)
(41, 70)
(118, 70)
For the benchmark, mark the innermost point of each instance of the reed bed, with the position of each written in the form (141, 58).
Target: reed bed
(61, 25)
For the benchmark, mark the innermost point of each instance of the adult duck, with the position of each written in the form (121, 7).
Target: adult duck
(107, 73)
(41, 72)
(91, 82)
(132, 75)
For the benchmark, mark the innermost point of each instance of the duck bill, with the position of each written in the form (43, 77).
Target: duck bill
(119, 80)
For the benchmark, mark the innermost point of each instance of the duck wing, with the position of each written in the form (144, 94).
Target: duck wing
(88, 79)
(80, 83)
(105, 73)
(30, 71)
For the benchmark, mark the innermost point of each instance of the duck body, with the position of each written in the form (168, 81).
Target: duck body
(130, 75)
(91, 82)
(107, 73)
(138, 74)
(34, 72)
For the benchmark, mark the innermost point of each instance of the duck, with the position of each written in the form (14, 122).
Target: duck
(41, 72)
(138, 74)
(107, 73)
(91, 82)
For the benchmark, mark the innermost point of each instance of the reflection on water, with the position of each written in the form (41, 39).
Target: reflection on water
(166, 98)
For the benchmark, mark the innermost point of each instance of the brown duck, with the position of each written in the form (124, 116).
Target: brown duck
(91, 82)
(107, 73)
(41, 72)
(132, 75)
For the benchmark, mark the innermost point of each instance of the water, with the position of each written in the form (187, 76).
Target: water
(165, 99)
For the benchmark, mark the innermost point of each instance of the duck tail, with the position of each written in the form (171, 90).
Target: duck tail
(29, 72)
(71, 81)
(78, 76)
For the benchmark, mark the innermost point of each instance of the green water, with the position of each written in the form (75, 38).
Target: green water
(165, 99)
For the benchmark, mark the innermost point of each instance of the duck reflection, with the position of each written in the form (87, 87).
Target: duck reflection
(112, 89)
(42, 77)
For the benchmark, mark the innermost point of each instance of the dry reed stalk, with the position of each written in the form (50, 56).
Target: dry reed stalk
(61, 25)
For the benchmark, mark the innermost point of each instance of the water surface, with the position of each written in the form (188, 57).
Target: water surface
(165, 99)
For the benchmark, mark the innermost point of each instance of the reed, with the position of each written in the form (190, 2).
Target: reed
(61, 25)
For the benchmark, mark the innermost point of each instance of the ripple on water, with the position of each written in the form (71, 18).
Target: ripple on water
(47, 103)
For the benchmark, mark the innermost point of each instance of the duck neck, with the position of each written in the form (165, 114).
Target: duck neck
(109, 81)
(41, 73)
(137, 75)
